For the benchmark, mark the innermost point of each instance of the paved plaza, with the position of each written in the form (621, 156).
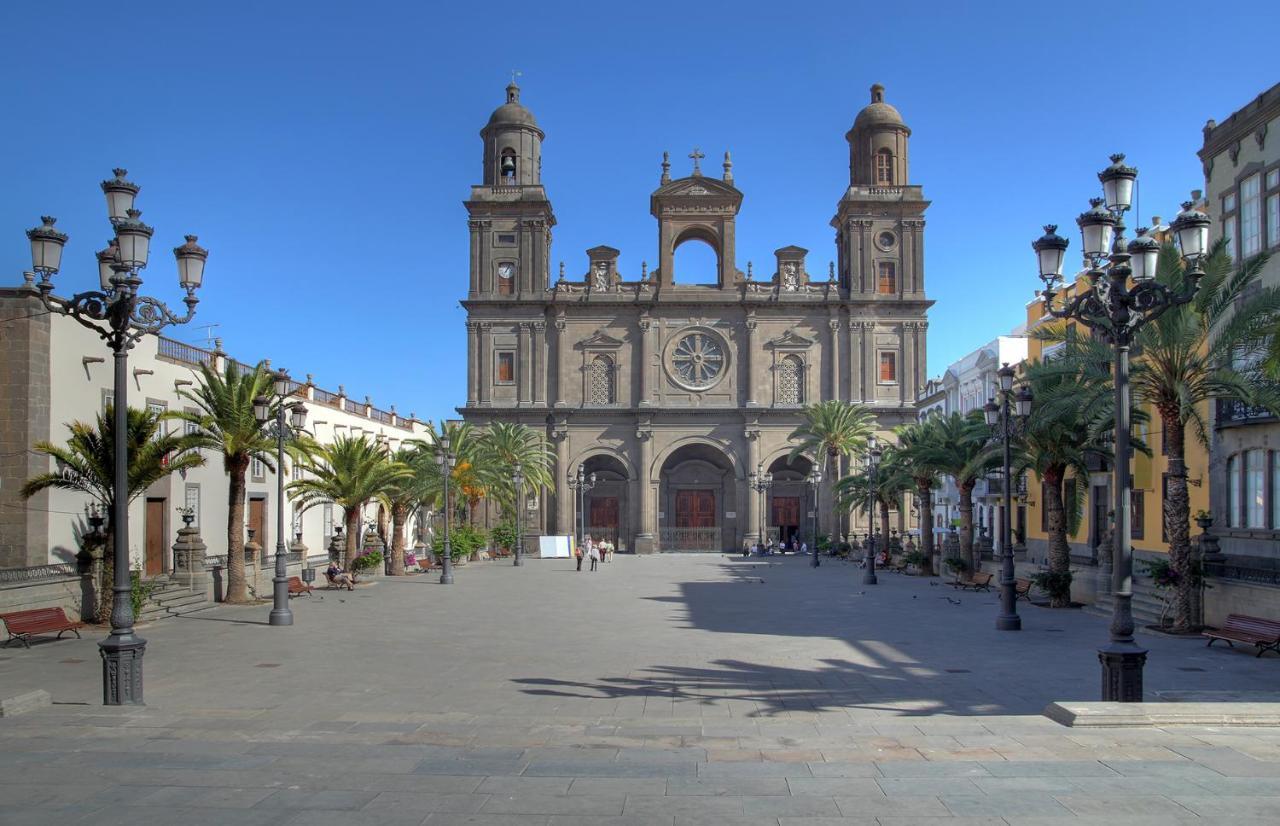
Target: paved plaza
(673, 690)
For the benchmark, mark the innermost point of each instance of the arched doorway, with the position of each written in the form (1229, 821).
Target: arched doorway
(605, 507)
(790, 501)
(697, 500)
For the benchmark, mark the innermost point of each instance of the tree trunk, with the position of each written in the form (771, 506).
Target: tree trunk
(108, 573)
(926, 528)
(352, 517)
(833, 473)
(1177, 515)
(237, 590)
(399, 517)
(965, 506)
(883, 544)
(1056, 523)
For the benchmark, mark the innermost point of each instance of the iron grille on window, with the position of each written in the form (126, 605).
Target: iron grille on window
(601, 390)
(790, 382)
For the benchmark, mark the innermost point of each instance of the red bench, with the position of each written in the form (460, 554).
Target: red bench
(22, 624)
(1263, 633)
(298, 588)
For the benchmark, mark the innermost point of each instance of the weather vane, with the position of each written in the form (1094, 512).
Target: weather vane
(515, 73)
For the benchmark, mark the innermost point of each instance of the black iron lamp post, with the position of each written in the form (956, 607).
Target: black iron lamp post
(815, 479)
(517, 476)
(1007, 422)
(446, 459)
(281, 613)
(873, 472)
(121, 316)
(760, 482)
(1121, 296)
(580, 484)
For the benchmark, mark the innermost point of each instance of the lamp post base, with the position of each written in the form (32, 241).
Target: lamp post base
(1006, 622)
(519, 561)
(446, 571)
(122, 670)
(281, 613)
(1122, 664)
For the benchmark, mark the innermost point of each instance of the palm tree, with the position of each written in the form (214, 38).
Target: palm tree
(87, 465)
(915, 442)
(409, 492)
(351, 471)
(833, 429)
(225, 422)
(884, 486)
(467, 474)
(503, 445)
(959, 449)
(1185, 361)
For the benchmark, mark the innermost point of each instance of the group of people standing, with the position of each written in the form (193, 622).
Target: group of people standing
(750, 548)
(593, 551)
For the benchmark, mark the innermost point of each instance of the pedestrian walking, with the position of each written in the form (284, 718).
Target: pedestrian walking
(580, 550)
(593, 552)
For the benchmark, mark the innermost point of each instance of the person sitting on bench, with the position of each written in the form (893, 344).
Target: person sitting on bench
(338, 577)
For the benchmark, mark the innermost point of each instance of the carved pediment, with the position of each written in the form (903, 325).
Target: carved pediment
(790, 340)
(599, 340)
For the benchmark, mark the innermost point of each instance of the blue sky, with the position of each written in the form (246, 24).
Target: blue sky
(322, 151)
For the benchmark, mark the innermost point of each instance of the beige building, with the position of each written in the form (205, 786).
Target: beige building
(672, 393)
(1241, 157)
(55, 371)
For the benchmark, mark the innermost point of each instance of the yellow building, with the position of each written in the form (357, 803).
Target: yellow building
(1147, 502)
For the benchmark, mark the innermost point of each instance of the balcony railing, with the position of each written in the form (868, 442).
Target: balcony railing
(37, 573)
(183, 352)
(1243, 573)
(1233, 412)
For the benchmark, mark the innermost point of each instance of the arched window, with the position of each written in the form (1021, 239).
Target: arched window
(508, 166)
(884, 167)
(791, 381)
(601, 381)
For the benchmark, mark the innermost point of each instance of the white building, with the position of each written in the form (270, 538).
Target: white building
(966, 385)
(54, 371)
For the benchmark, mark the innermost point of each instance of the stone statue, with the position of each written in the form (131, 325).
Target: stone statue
(600, 276)
(790, 282)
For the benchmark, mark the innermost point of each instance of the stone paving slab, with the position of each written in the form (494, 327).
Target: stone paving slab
(704, 702)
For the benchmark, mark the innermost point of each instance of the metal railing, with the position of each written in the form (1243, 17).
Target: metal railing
(379, 415)
(1243, 573)
(355, 407)
(325, 397)
(1235, 412)
(168, 348)
(690, 539)
(36, 573)
(604, 533)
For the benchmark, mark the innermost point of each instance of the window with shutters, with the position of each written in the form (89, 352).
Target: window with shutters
(600, 390)
(1137, 514)
(887, 280)
(884, 167)
(505, 362)
(1254, 502)
(791, 381)
(1251, 215)
(888, 367)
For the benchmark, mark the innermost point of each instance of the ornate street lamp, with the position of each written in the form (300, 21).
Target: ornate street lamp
(815, 479)
(446, 459)
(121, 316)
(873, 472)
(517, 476)
(1122, 295)
(580, 484)
(1007, 419)
(266, 408)
(761, 482)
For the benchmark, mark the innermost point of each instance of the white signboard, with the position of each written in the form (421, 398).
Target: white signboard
(554, 547)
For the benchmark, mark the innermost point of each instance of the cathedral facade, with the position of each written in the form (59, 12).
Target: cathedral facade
(673, 394)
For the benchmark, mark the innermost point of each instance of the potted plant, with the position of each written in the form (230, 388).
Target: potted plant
(366, 562)
(957, 565)
(1204, 519)
(1056, 585)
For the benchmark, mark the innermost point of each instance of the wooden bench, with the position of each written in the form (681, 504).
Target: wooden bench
(334, 583)
(899, 567)
(978, 582)
(1263, 633)
(1022, 589)
(298, 588)
(22, 624)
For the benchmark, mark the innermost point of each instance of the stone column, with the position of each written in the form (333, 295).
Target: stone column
(906, 362)
(749, 359)
(525, 273)
(752, 528)
(855, 362)
(648, 527)
(642, 369)
(538, 355)
(564, 496)
(485, 265)
(486, 364)
(922, 341)
(834, 354)
(524, 376)
(559, 359)
(475, 256)
(869, 354)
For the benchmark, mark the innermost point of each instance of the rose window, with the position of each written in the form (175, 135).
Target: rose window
(698, 360)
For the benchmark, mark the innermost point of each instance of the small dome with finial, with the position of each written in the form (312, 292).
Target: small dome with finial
(877, 113)
(513, 111)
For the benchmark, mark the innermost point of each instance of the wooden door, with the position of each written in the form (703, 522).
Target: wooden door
(604, 512)
(786, 511)
(154, 565)
(695, 509)
(258, 520)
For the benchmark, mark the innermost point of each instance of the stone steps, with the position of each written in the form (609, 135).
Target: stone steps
(169, 599)
(1146, 606)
